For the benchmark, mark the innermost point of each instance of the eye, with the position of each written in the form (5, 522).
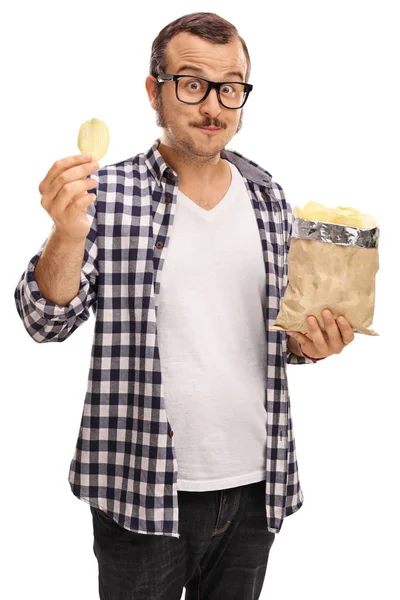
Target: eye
(227, 89)
(192, 84)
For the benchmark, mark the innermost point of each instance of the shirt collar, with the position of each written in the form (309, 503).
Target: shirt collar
(249, 169)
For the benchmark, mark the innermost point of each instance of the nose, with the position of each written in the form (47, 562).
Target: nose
(210, 106)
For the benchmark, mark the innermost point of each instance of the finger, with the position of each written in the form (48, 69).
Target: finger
(82, 202)
(346, 330)
(316, 335)
(67, 194)
(58, 167)
(333, 332)
(300, 337)
(77, 173)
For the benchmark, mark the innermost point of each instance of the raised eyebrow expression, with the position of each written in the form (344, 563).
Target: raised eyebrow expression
(201, 72)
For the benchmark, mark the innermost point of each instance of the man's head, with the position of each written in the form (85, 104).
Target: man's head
(208, 42)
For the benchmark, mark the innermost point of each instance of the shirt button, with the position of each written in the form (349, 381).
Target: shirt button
(171, 433)
(160, 244)
(167, 200)
(170, 175)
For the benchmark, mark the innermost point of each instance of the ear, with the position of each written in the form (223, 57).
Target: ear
(151, 87)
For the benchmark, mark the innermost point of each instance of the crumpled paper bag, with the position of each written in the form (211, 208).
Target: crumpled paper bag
(330, 266)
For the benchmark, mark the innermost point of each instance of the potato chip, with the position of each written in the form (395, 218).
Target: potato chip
(368, 222)
(350, 209)
(353, 218)
(314, 211)
(93, 138)
(342, 215)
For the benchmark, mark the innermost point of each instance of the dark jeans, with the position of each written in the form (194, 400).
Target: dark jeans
(222, 552)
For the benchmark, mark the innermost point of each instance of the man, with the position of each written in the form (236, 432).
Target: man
(186, 451)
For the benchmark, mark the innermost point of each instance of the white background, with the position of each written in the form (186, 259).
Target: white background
(323, 119)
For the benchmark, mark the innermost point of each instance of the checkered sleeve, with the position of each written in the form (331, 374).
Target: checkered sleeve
(48, 322)
(288, 219)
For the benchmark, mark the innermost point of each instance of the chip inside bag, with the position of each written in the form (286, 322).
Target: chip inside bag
(332, 263)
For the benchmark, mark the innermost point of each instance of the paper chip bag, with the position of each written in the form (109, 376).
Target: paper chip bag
(330, 266)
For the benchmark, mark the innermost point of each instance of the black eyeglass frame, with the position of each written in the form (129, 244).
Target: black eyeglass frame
(164, 77)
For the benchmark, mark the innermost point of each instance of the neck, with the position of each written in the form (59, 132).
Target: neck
(205, 170)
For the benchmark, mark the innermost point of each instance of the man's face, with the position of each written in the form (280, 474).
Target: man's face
(181, 122)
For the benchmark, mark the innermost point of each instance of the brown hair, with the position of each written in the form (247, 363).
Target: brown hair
(205, 25)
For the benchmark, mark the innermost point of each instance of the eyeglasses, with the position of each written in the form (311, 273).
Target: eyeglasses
(191, 89)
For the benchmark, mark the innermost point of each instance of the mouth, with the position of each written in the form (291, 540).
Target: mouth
(210, 129)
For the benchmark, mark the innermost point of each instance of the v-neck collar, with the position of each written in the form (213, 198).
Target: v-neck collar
(210, 214)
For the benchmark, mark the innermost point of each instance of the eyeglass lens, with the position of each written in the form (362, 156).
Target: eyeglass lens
(193, 90)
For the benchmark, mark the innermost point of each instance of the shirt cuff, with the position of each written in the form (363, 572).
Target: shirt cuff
(49, 310)
(294, 359)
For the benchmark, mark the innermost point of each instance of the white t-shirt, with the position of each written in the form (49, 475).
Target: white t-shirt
(212, 342)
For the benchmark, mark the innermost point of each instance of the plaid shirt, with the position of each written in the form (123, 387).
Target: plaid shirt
(124, 461)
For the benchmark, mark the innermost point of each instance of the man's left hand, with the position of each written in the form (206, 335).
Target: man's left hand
(320, 343)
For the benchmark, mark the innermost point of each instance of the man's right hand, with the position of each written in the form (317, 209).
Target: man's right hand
(65, 197)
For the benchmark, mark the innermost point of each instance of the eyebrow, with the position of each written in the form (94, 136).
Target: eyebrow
(201, 71)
